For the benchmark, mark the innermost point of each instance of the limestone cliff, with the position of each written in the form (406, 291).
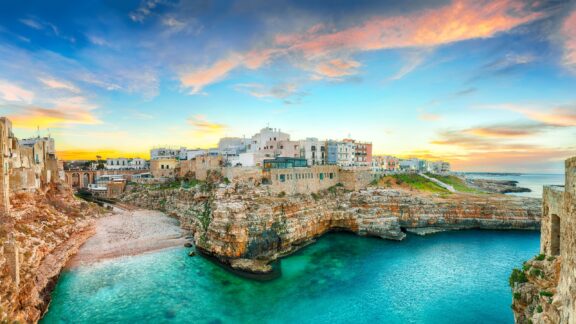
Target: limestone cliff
(48, 227)
(249, 227)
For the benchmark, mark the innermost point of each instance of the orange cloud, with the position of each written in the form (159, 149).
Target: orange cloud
(429, 117)
(563, 116)
(460, 20)
(569, 33)
(205, 127)
(337, 68)
(66, 111)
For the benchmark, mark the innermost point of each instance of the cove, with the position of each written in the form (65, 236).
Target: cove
(451, 277)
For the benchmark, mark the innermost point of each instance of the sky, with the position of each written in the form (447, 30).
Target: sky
(485, 85)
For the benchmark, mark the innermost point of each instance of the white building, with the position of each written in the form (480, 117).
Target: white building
(267, 139)
(50, 145)
(346, 157)
(167, 153)
(313, 150)
(126, 164)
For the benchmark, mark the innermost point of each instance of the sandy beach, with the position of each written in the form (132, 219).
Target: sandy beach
(129, 232)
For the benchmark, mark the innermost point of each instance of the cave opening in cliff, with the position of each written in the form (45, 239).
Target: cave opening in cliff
(555, 235)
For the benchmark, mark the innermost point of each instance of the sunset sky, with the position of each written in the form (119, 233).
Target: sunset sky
(486, 85)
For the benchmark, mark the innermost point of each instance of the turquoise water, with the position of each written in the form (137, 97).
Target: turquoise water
(453, 277)
(533, 181)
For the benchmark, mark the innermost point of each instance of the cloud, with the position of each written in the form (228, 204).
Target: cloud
(287, 92)
(32, 23)
(460, 20)
(512, 130)
(56, 84)
(413, 60)
(337, 68)
(429, 117)
(64, 112)
(568, 32)
(12, 92)
(198, 79)
(204, 127)
(561, 116)
(144, 10)
(322, 50)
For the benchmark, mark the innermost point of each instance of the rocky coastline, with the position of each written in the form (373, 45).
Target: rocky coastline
(496, 186)
(48, 226)
(248, 229)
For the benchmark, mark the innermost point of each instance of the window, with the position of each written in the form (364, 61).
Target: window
(162, 166)
(321, 176)
(282, 178)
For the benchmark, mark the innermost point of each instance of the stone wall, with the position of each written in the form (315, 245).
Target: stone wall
(556, 266)
(356, 179)
(302, 180)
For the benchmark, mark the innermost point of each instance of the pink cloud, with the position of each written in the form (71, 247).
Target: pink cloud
(461, 20)
(569, 33)
(12, 92)
(324, 52)
(337, 68)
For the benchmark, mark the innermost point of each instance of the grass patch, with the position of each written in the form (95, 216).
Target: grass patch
(417, 182)
(517, 276)
(458, 184)
(546, 293)
(540, 257)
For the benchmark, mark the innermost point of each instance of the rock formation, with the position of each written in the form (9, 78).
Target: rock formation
(247, 228)
(47, 227)
(545, 288)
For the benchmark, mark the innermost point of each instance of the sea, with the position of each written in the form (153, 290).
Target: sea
(450, 277)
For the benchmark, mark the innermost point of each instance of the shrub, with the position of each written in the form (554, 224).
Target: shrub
(540, 257)
(281, 194)
(517, 276)
(539, 309)
(526, 267)
(551, 258)
(536, 273)
(517, 296)
(315, 196)
(546, 293)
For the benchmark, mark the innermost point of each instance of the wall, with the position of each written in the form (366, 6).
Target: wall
(164, 168)
(302, 180)
(563, 204)
(356, 178)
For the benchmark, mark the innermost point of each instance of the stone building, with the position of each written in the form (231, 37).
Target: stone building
(294, 176)
(558, 238)
(200, 166)
(164, 168)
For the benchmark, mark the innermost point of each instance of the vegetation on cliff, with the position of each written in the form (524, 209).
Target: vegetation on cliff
(533, 289)
(457, 183)
(410, 181)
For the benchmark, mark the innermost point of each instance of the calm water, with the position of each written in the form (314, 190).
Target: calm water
(455, 277)
(533, 181)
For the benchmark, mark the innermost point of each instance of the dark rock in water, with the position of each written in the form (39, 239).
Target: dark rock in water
(170, 313)
(188, 244)
(226, 282)
(191, 253)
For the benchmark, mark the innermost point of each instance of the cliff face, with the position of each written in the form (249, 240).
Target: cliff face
(247, 227)
(48, 227)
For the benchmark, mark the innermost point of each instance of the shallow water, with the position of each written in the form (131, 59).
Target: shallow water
(453, 277)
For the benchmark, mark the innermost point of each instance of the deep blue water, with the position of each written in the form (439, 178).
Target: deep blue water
(453, 277)
(533, 181)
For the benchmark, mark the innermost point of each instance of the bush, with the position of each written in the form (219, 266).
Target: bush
(281, 194)
(526, 267)
(315, 196)
(551, 258)
(537, 273)
(517, 296)
(540, 257)
(539, 309)
(517, 276)
(546, 293)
